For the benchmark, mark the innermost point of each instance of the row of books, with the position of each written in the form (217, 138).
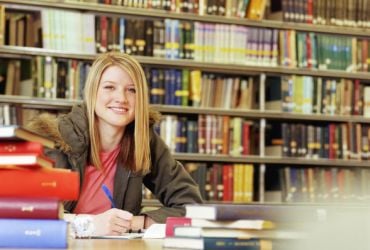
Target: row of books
(317, 95)
(53, 27)
(199, 89)
(310, 50)
(209, 134)
(17, 115)
(213, 134)
(251, 9)
(318, 185)
(32, 192)
(332, 141)
(52, 77)
(329, 12)
(64, 78)
(223, 182)
(44, 76)
(8, 114)
(220, 182)
(207, 42)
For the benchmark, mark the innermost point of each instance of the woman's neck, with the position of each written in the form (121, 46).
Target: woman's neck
(109, 138)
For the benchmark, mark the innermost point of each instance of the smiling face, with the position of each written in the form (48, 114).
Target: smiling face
(115, 100)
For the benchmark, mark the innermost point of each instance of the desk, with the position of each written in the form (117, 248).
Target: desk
(98, 244)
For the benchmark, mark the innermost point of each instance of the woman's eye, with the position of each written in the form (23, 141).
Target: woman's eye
(132, 90)
(108, 87)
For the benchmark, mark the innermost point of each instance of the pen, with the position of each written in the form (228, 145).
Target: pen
(108, 194)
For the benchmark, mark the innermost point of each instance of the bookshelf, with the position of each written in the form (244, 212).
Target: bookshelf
(259, 116)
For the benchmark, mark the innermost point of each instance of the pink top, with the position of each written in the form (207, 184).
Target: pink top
(92, 199)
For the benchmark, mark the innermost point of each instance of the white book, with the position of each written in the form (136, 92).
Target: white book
(192, 231)
(46, 35)
(88, 33)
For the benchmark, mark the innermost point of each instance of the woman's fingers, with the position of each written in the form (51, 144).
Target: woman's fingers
(112, 222)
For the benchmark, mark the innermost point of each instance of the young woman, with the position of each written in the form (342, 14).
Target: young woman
(110, 141)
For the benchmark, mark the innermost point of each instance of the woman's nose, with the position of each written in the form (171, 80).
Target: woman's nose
(121, 97)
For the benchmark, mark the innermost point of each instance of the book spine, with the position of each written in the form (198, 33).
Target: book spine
(235, 243)
(20, 148)
(23, 233)
(40, 208)
(47, 183)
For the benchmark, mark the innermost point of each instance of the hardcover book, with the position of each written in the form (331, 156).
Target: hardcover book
(58, 183)
(26, 233)
(27, 208)
(279, 214)
(217, 243)
(191, 231)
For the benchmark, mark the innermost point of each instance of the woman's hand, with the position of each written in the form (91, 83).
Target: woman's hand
(112, 222)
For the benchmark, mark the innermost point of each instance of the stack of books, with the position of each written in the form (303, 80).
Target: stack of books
(32, 192)
(267, 226)
(241, 226)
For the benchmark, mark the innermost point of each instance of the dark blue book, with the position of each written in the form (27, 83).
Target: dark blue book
(178, 92)
(192, 136)
(214, 243)
(169, 86)
(156, 87)
(33, 233)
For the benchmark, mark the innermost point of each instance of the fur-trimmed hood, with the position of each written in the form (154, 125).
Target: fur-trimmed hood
(46, 124)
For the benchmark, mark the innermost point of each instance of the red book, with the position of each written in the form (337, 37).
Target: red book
(30, 208)
(228, 181)
(172, 222)
(332, 142)
(246, 137)
(57, 183)
(13, 147)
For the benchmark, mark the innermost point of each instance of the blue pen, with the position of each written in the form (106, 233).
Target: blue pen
(108, 194)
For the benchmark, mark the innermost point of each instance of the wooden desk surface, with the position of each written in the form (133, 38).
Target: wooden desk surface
(111, 244)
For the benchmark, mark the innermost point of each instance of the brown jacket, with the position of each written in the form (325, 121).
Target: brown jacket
(167, 179)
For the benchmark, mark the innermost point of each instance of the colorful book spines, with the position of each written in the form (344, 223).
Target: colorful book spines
(333, 141)
(224, 182)
(334, 184)
(211, 134)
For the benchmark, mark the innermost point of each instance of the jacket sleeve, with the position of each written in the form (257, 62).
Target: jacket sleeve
(169, 182)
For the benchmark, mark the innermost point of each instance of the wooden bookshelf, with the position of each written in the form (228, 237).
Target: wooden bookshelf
(63, 104)
(153, 13)
(26, 52)
(259, 116)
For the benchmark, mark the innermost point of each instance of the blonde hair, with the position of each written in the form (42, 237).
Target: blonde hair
(135, 149)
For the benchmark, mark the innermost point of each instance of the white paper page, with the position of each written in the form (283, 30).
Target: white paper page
(155, 231)
(125, 236)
